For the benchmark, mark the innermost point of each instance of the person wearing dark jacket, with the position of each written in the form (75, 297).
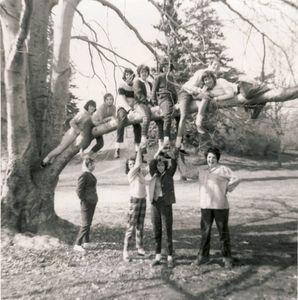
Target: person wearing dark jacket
(143, 103)
(164, 95)
(162, 196)
(86, 191)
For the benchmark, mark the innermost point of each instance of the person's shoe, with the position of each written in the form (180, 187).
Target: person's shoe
(126, 257)
(228, 262)
(79, 248)
(90, 246)
(141, 252)
(155, 263)
(170, 264)
(143, 148)
(200, 260)
(117, 153)
(43, 165)
(200, 130)
(165, 155)
(183, 152)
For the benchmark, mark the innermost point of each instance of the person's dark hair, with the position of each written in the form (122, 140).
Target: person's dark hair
(160, 159)
(213, 150)
(161, 67)
(127, 70)
(90, 102)
(88, 161)
(208, 74)
(106, 96)
(132, 158)
(142, 67)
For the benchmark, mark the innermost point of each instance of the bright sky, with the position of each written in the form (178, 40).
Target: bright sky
(247, 55)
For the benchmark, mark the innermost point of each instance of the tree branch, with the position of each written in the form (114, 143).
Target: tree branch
(262, 33)
(128, 24)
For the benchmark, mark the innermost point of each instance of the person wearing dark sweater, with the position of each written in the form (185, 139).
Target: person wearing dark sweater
(142, 92)
(164, 95)
(125, 107)
(162, 196)
(86, 191)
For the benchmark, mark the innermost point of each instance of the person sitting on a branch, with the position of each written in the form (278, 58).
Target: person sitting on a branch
(164, 95)
(104, 114)
(76, 127)
(142, 91)
(125, 107)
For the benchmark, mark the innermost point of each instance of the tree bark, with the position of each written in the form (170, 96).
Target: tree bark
(28, 191)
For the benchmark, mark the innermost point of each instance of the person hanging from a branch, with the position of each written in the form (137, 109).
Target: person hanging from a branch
(125, 107)
(105, 113)
(164, 95)
(142, 91)
(76, 127)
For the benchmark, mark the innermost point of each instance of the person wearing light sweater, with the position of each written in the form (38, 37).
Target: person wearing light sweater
(76, 128)
(136, 177)
(125, 107)
(104, 114)
(215, 181)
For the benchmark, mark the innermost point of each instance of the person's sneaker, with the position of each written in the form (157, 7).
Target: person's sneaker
(200, 260)
(43, 165)
(228, 265)
(79, 249)
(200, 130)
(117, 153)
(155, 263)
(143, 148)
(183, 152)
(126, 257)
(170, 264)
(90, 246)
(141, 252)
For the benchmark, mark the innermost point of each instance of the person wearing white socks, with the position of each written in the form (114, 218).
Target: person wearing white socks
(162, 196)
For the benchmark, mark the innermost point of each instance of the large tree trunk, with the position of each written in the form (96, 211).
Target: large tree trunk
(28, 192)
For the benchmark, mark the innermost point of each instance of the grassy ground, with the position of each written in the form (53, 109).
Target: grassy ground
(263, 226)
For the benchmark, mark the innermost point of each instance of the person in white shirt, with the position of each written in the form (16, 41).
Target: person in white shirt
(136, 178)
(215, 182)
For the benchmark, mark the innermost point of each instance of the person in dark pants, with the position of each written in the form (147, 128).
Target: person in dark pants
(215, 182)
(164, 95)
(125, 107)
(142, 93)
(86, 191)
(162, 196)
(105, 113)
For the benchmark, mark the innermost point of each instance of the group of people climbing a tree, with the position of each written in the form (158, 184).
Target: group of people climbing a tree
(137, 95)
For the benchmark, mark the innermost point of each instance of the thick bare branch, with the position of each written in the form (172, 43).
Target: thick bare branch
(290, 3)
(128, 24)
(275, 95)
(262, 33)
(85, 39)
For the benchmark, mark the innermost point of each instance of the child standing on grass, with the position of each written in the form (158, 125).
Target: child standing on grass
(162, 196)
(136, 178)
(86, 191)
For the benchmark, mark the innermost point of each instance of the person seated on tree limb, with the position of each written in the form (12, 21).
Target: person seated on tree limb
(125, 109)
(213, 89)
(186, 96)
(142, 91)
(164, 95)
(76, 127)
(105, 113)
